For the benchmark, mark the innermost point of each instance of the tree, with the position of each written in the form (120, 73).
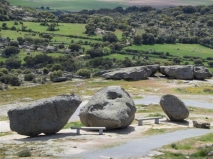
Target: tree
(210, 23)
(111, 37)
(127, 62)
(198, 62)
(90, 29)
(14, 43)
(4, 26)
(10, 50)
(13, 63)
(210, 64)
(95, 53)
(137, 40)
(75, 47)
(148, 38)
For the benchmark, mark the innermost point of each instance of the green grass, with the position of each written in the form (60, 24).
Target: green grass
(74, 124)
(74, 5)
(178, 49)
(118, 56)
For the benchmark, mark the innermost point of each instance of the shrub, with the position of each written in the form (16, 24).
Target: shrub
(27, 71)
(45, 70)
(29, 77)
(55, 74)
(14, 81)
(84, 73)
(24, 153)
(4, 70)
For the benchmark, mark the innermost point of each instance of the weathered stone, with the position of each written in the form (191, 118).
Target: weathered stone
(111, 107)
(178, 72)
(174, 108)
(201, 124)
(59, 79)
(153, 68)
(129, 73)
(46, 116)
(201, 72)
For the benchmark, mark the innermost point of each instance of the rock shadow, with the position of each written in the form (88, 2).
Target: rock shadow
(46, 137)
(183, 122)
(126, 130)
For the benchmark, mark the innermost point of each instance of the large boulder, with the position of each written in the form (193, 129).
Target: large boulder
(153, 68)
(174, 108)
(201, 72)
(129, 73)
(111, 107)
(178, 72)
(46, 116)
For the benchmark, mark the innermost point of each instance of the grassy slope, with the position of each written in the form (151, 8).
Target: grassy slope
(178, 49)
(74, 5)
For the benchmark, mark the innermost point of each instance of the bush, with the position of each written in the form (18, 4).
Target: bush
(55, 74)
(4, 70)
(29, 77)
(14, 81)
(84, 73)
(24, 153)
(27, 71)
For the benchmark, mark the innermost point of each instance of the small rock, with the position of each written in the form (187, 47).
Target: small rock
(201, 124)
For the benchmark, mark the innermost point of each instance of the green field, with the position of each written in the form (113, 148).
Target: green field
(74, 5)
(178, 49)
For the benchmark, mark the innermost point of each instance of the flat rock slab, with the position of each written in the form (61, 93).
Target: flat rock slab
(46, 116)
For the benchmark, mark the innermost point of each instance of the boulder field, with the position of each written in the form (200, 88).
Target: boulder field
(187, 72)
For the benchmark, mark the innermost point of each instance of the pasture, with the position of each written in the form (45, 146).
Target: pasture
(74, 5)
(177, 49)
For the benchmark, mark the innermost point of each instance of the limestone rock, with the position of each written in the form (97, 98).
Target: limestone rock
(129, 73)
(111, 107)
(174, 108)
(178, 72)
(201, 124)
(201, 72)
(46, 116)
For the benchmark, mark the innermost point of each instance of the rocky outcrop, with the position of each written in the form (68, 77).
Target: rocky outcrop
(129, 73)
(111, 107)
(201, 72)
(46, 116)
(178, 72)
(174, 108)
(201, 124)
(185, 72)
(153, 68)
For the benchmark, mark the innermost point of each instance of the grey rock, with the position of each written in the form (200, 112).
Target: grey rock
(174, 108)
(178, 72)
(201, 72)
(210, 153)
(99, 73)
(46, 116)
(59, 79)
(201, 124)
(129, 73)
(153, 68)
(111, 107)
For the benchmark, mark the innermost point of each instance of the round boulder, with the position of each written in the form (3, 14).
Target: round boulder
(46, 116)
(111, 107)
(174, 108)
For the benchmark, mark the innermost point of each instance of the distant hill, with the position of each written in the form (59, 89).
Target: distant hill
(76, 5)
